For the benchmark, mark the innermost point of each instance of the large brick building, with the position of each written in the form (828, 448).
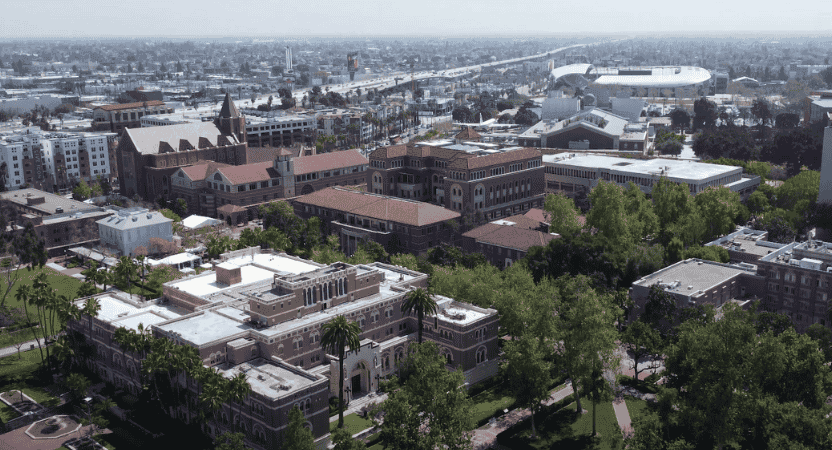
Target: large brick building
(491, 183)
(148, 157)
(208, 187)
(400, 225)
(261, 314)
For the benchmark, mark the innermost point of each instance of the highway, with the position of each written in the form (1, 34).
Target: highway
(388, 80)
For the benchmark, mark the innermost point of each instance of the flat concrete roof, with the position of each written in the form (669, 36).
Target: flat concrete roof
(129, 314)
(676, 169)
(201, 329)
(207, 284)
(270, 380)
(699, 275)
(51, 201)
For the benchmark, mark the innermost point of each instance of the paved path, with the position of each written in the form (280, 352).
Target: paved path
(486, 436)
(12, 350)
(622, 414)
(360, 402)
(19, 440)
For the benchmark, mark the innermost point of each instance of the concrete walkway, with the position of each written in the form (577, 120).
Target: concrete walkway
(486, 436)
(622, 415)
(12, 350)
(360, 402)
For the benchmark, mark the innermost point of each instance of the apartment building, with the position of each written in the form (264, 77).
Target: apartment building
(464, 178)
(260, 314)
(283, 131)
(121, 116)
(347, 128)
(401, 225)
(54, 161)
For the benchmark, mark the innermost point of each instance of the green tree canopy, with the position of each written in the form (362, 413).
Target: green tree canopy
(562, 214)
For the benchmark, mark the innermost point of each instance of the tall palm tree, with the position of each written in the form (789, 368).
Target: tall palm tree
(338, 334)
(91, 308)
(238, 389)
(420, 301)
(214, 394)
(125, 271)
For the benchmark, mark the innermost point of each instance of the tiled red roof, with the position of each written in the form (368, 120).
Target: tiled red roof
(229, 208)
(538, 215)
(199, 172)
(328, 161)
(120, 106)
(378, 207)
(468, 133)
(523, 221)
(249, 173)
(508, 236)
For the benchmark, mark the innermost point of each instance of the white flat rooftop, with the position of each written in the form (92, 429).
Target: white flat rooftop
(689, 170)
(121, 313)
(275, 263)
(207, 284)
(204, 328)
(269, 379)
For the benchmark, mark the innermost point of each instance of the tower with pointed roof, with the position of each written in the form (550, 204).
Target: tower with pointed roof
(230, 121)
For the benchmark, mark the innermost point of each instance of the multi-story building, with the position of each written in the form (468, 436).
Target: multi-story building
(283, 131)
(148, 157)
(261, 314)
(796, 279)
(347, 128)
(471, 180)
(588, 130)
(505, 241)
(207, 187)
(398, 224)
(695, 282)
(54, 161)
(121, 116)
(132, 228)
(60, 222)
(573, 173)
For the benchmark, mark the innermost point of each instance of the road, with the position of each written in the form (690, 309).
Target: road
(388, 80)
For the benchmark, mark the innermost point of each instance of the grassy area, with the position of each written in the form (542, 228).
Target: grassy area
(19, 374)
(352, 423)
(563, 429)
(635, 406)
(489, 403)
(10, 339)
(62, 284)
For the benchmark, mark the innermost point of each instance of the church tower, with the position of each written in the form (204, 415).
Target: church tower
(230, 121)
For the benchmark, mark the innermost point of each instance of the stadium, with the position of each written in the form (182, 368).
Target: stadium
(683, 81)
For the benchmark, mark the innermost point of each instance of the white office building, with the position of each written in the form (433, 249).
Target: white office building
(132, 228)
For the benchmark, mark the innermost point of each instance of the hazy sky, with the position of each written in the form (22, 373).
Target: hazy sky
(85, 18)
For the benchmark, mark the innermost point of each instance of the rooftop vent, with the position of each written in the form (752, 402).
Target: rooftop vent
(135, 219)
(149, 215)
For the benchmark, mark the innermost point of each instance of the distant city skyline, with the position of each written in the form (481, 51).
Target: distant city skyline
(371, 18)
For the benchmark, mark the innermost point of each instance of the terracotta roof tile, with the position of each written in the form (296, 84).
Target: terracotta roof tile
(507, 236)
(479, 162)
(378, 207)
(249, 173)
(199, 172)
(468, 133)
(229, 208)
(328, 161)
(120, 106)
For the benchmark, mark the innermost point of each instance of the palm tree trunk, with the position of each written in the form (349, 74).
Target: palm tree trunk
(420, 316)
(341, 389)
(594, 408)
(534, 430)
(34, 334)
(575, 390)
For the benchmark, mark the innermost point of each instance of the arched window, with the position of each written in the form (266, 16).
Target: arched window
(481, 355)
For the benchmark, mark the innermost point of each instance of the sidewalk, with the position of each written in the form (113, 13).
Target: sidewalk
(12, 350)
(486, 436)
(622, 415)
(358, 403)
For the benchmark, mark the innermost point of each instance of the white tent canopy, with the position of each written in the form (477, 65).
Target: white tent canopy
(193, 222)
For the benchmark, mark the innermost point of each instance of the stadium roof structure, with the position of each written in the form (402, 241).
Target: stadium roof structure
(657, 77)
(573, 74)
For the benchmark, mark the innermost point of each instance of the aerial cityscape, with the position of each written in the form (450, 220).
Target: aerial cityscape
(477, 225)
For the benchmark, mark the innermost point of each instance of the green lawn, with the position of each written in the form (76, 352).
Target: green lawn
(489, 402)
(63, 285)
(635, 406)
(562, 429)
(18, 374)
(352, 423)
